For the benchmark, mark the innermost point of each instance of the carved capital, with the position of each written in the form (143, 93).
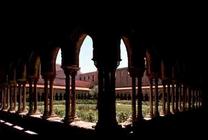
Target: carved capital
(70, 69)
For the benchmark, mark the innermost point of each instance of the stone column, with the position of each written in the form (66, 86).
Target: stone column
(30, 97)
(139, 94)
(163, 98)
(151, 98)
(189, 98)
(168, 99)
(10, 98)
(5, 98)
(46, 109)
(106, 98)
(173, 98)
(2, 97)
(51, 112)
(193, 98)
(15, 96)
(176, 97)
(67, 93)
(24, 97)
(184, 98)
(35, 95)
(133, 99)
(20, 98)
(156, 113)
(73, 93)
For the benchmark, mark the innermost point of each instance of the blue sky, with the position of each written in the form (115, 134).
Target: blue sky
(85, 56)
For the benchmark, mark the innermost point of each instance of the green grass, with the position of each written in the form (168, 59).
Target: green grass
(86, 109)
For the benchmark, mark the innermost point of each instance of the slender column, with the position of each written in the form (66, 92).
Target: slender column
(30, 98)
(184, 97)
(73, 97)
(156, 113)
(10, 98)
(46, 111)
(15, 96)
(193, 98)
(67, 93)
(4, 99)
(51, 112)
(133, 99)
(24, 97)
(20, 98)
(173, 98)
(180, 93)
(176, 97)
(35, 111)
(151, 98)
(189, 98)
(163, 98)
(168, 99)
(139, 94)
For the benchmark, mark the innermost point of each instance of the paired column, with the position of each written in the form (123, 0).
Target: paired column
(70, 109)
(136, 75)
(13, 96)
(168, 99)
(156, 113)
(22, 97)
(163, 98)
(33, 97)
(106, 98)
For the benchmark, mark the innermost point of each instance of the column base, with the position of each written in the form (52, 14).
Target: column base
(108, 130)
(67, 120)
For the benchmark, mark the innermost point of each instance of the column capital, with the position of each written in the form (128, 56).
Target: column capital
(21, 81)
(136, 71)
(48, 75)
(12, 83)
(70, 69)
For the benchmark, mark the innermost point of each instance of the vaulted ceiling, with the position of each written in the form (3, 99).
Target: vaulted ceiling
(177, 35)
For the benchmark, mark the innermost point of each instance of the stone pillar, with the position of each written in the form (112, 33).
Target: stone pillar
(10, 98)
(24, 96)
(176, 97)
(2, 97)
(106, 98)
(139, 94)
(5, 98)
(20, 97)
(73, 94)
(151, 98)
(193, 98)
(168, 99)
(173, 98)
(35, 95)
(184, 98)
(67, 93)
(46, 109)
(15, 96)
(51, 112)
(30, 97)
(180, 93)
(189, 98)
(70, 109)
(133, 99)
(156, 113)
(163, 98)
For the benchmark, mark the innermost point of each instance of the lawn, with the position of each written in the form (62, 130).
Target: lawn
(86, 109)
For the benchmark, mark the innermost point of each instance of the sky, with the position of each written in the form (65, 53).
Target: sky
(85, 56)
